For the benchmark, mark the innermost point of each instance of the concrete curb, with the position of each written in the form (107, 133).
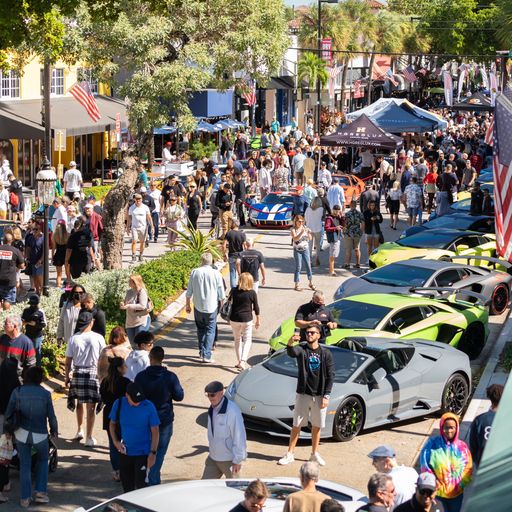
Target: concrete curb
(479, 403)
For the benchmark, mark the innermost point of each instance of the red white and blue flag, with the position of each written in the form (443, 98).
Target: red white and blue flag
(502, 158)
(82, 93)
(250, 94)
(409, 74)
(390, 77)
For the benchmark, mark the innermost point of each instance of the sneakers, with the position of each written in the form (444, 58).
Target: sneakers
(286, 459)
(208, 360)
(316, 457)
(3, 498)
(42, 497)
(25, 503)
(79, 436)
(91, 442)
(134, 258)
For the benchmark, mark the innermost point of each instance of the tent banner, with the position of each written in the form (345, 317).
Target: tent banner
(448, 88)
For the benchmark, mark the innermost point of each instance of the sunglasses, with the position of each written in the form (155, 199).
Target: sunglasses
(426, 492)
(310, 333)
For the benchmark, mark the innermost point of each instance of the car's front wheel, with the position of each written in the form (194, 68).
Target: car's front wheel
(349, 419)
(472, 340)
(455, 394)
(499, 300)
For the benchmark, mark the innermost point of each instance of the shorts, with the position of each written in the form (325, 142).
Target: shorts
(369, 237)
(138, 235)
(334, 249)
(8, 294)
(412, 212)
(352, 243)
(308, 408)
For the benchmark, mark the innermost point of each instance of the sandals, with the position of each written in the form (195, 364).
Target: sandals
(311, 286)
(333, 274)
(297, 288)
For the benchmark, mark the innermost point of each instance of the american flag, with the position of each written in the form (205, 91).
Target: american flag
(390, 77)
(82, 93)
(357, 88)
(409, 74)
(333, 73)
(502, 158)
(250, 95)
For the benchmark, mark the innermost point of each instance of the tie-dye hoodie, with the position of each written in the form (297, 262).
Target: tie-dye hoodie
(450, 461)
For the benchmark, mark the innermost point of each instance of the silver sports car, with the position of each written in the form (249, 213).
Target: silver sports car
(401, 276)
(377, 382)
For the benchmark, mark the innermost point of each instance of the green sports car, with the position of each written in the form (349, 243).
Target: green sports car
(456, 322)
(436, 244)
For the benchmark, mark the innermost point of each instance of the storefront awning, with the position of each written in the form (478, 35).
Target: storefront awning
(15, 127)
(66, 113)
(211, 103)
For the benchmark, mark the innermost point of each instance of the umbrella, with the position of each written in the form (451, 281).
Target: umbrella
(203, 126)
(164, 130)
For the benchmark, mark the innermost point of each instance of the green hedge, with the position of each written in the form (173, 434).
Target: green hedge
(166, 277)
(99, 192)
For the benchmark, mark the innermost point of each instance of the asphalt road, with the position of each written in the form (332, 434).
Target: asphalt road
(83, 477)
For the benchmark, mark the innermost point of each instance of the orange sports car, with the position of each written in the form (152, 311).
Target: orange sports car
(352, 186)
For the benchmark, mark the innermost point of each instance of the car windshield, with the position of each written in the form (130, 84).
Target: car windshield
(346, 363)
(344, 181)
(450, 222)
(396, 274)
(463, 204)
(426, 239)
(350, 314)
(277, 199)
(120, 506)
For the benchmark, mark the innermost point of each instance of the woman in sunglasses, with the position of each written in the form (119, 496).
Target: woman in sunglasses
(69, 314)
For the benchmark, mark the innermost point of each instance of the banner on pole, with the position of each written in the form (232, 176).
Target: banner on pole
(327, 50)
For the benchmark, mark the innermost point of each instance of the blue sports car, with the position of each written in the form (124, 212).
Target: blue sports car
(274, 211)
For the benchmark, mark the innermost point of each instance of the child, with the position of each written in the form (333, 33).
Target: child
(34, 320)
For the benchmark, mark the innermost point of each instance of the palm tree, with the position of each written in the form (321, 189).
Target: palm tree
(312, 68)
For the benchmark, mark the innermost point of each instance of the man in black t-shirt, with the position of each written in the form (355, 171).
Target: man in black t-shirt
(255, 494)
(315, 313)
(10, 261)
(233, 245)
(252, 261)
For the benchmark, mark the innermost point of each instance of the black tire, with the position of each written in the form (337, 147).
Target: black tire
(349, 419)
(472, 340)
(499, 299)
(455, 394)
(444, 258)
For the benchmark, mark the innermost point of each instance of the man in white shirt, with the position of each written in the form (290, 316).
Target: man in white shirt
(155, 214)
(72, 180)
(167, 156)
(139, 219)
(60, 213)
(298, 166)
(83, 351)
(324, 176)
(336, 195)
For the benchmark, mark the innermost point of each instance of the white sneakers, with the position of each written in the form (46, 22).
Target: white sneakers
(315, 457)
(91, 442)
(79, 436)
(286, 459)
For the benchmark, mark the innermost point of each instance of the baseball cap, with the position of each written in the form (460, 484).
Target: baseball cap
(214, 387)
(135, 392)
(382, 451)
(72, 163)
(84, 319)
(88, 206)
(427, 481)
(143, 189)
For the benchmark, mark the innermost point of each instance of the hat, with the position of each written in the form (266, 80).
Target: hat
(88, 206)
(72, 163)
(91, 196)
(85, 317)
(214, 387)
(427, 481)
(382, 451)
(135, 392)
(143, 189)
(33, 300)
(336, 207)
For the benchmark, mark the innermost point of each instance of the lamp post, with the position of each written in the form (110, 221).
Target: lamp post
(45, 180)
(319, 48)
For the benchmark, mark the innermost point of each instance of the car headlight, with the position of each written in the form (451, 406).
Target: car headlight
(277, 332)
(374, 252)
(231, 389)
(339, 292)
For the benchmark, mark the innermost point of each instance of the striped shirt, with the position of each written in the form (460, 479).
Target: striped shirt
(21, 348)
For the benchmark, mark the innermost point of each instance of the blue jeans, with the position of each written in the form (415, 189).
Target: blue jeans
(114, 453)
(205, 323)
(37, 346)
(453, 504)
(156, 226)
(41, 473)
(299, 258)
(163, 443)
(132, 331)
(233, 278)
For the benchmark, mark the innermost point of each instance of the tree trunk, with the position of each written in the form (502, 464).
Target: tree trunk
(369, 97)
(114, 208)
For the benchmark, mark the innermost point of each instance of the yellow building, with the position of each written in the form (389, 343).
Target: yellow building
(22, 131)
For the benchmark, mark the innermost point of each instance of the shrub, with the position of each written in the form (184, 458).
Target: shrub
(195, 241)
(198, 149)
(99, 192)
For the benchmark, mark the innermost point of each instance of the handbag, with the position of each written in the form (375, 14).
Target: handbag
(225, 310)
(6, 450)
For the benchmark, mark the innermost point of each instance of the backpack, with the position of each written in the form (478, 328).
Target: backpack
(14, 199)
(250, 263)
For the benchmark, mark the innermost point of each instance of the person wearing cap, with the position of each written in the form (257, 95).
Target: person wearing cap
(449, 459)
(167, 156)
(34, 321)
(161, 387)
(384, 461)
(227, 441)
(315, 378)
(133, 428)
(423, 499)
(381, 494)
(82, 354)
(138, 221)
(73, 181)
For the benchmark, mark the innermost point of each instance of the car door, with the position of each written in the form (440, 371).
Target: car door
(412, 322)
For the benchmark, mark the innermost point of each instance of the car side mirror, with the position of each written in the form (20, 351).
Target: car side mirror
(377, 377)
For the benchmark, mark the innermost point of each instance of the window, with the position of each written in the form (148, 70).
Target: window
(57, 87)
(403, 319)
(9, 84)
(447, 278)
(85, 75)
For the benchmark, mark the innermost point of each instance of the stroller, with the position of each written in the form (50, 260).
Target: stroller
(53, 457)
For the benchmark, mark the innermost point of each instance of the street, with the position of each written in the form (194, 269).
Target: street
(83, 477)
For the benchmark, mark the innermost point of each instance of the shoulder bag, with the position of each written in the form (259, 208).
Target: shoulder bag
(225, 310)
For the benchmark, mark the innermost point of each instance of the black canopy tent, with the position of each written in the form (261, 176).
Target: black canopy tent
(362, 133)
(477, 102)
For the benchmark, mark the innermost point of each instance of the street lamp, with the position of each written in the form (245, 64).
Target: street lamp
(319, 48)
(46, 179)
